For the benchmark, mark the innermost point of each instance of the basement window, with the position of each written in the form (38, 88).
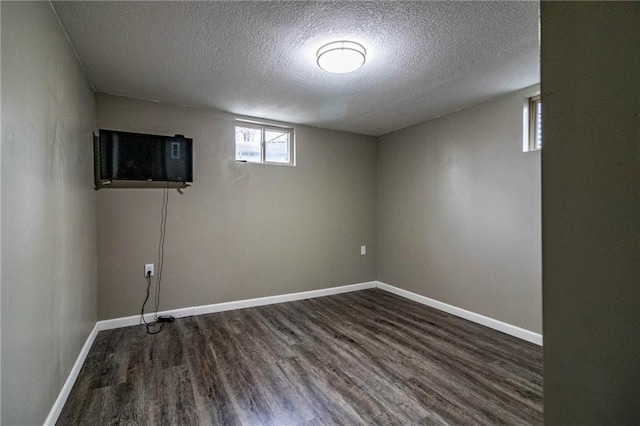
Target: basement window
(533, 124)
(264, 143)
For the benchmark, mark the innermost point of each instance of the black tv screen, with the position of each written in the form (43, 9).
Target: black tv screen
(137, 156)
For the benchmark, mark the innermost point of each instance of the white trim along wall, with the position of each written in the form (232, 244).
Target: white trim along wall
(71, 379)
(503, 327)
(270, 300)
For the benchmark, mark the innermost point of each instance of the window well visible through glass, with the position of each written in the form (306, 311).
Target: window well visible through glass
(276, 146)
(248, 143)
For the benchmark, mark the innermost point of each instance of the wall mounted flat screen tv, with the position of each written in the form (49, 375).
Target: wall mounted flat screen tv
(125, 156)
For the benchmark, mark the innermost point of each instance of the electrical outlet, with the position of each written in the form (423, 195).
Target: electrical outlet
(148, 269)
(363, 250)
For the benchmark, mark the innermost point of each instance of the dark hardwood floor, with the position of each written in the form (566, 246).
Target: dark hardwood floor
(367, 357)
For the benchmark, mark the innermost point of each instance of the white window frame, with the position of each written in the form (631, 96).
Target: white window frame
(265, 127)
(529, 121)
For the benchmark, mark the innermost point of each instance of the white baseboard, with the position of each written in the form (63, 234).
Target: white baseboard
(239, 304)
(512, 330)
(270, 300)
(52, 418)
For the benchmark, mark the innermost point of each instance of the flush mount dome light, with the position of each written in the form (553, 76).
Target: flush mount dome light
(341, 56)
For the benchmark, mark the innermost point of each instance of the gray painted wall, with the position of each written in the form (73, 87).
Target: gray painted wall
(49, 248)
(459, 212)
(591, 212)
(243, 230)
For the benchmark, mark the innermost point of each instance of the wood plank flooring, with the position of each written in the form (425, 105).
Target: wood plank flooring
(367, 357)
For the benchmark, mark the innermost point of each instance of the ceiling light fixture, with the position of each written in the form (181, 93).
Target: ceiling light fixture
(341, 56)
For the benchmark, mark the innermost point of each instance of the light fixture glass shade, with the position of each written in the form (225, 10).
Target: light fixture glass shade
(341, 56)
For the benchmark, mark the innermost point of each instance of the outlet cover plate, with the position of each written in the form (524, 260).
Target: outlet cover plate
(149, 267)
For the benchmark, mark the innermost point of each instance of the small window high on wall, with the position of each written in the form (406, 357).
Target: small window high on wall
(264, 143)
(535, 123)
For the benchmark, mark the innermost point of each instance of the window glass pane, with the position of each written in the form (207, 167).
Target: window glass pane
(248, 144)
(276, 146)
(538, 133)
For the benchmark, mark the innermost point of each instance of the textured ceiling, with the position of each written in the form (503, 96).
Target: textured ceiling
(258, 58)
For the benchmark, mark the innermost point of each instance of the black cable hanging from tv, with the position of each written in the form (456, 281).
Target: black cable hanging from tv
(161, 320)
